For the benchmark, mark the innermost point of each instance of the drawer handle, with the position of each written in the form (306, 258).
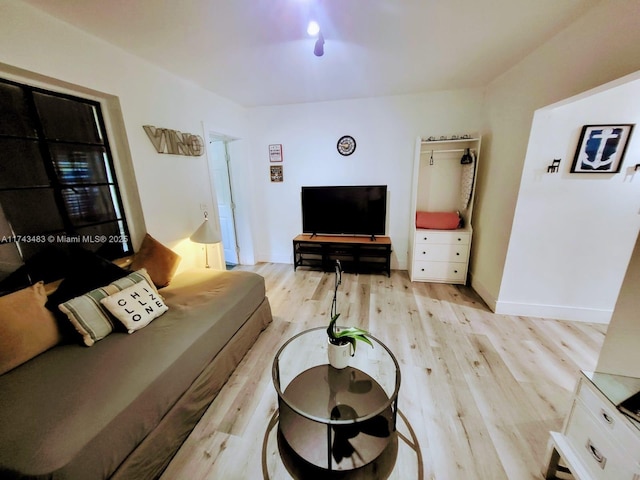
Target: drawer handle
(455, 271)
(424, 253)
(424, 238)
(422, 269)
(606, 417)
(595, 453)
(459, 239)
(457, 253)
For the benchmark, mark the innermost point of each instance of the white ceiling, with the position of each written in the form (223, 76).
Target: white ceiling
(257, 52)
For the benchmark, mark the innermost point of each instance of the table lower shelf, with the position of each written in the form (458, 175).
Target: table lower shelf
(345, 446)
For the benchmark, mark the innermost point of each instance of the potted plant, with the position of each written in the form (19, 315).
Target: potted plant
(342, 340)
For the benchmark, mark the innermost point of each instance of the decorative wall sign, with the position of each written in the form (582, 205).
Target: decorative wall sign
(601, 148)
(174, 142)
(275, 152)
(276, 173)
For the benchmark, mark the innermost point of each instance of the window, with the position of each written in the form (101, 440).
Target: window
(57, 181)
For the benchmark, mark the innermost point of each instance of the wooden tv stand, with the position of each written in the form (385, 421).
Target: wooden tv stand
(356, 254)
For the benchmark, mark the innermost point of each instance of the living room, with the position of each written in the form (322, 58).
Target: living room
(601, 46)
(385, 128)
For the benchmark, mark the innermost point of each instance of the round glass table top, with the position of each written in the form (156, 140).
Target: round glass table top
(336, 419)
(311, 387)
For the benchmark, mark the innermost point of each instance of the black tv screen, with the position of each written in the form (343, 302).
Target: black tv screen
(348, 210)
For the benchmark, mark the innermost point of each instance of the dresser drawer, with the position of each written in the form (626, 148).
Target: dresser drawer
(439, 236)
(440, 271)
(595, 447)
(611, 420)
(442, 252)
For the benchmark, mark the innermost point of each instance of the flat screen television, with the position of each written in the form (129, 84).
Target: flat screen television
(348, 210)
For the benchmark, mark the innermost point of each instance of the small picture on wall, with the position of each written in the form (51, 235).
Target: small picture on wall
(275, 152)
(276, 173)
(601, 148)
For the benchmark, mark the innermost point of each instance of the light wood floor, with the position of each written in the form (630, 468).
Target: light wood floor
(479, 391)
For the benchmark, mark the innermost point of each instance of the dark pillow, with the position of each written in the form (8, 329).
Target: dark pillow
(86, 272)
(47, 265)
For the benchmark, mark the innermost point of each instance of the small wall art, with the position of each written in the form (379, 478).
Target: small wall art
(276, 173)
(275, 152)
(601, 148)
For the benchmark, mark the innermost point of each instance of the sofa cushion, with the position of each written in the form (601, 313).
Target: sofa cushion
(89, 317)
(27, 328)
(86, 272)
(135, 306)
(161, 262)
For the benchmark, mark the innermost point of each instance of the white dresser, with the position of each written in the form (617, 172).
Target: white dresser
(440, 256)
(598, 441)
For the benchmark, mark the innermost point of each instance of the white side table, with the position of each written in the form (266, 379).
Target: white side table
(598, 441)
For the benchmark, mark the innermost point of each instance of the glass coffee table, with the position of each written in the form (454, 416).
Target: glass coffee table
(336, 419)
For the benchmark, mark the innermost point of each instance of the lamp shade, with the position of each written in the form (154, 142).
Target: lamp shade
(206, 233)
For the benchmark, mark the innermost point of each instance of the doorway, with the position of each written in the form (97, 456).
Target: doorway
(220, 162)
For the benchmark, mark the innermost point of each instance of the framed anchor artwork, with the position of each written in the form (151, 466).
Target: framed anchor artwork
(601, 148)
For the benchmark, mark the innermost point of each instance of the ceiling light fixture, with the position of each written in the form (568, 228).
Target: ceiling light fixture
(318, 49)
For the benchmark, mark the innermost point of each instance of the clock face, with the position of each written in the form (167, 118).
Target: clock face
(346, 145)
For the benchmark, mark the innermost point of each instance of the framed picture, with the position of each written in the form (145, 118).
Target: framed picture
(276, 173)
(275, 152)
(601, 148)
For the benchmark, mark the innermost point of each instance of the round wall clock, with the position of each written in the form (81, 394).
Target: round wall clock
(346, 145)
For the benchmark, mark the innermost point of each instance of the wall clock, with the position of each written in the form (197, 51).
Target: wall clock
(346, 145)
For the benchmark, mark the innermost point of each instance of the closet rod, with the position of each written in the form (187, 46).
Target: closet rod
(449, 151)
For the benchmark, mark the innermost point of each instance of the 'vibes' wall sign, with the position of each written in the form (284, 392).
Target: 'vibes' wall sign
(174, 142)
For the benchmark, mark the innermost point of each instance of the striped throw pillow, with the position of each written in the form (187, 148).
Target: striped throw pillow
(89, 317)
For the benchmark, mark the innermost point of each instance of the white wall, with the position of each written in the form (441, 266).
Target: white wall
(385, 130)
(599, 47)
(573, 234)
(39, 49)
(620, 354)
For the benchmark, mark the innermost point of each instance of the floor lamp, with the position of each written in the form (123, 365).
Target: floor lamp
(207, 233)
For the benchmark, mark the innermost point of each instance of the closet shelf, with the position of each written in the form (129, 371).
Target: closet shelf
(458, 140)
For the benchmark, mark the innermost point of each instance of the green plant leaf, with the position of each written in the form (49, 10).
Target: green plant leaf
(351, 334)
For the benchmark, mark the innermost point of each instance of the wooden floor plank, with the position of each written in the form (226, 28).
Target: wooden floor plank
(479, 391)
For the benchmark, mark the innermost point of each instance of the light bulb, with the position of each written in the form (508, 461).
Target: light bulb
(313, 28)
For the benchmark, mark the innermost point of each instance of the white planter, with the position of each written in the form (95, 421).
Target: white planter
(339, 355)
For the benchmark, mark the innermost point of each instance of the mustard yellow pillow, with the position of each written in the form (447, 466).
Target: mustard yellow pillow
(27, 328)
(161, 262)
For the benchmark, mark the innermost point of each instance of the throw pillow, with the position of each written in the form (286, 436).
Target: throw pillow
(438, 220)
(86, 272)
(27, 328)
(48, 264)
(161, 262)
(135, 306)
(85, 312)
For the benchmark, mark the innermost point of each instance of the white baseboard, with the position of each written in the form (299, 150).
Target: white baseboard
(557, 312)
